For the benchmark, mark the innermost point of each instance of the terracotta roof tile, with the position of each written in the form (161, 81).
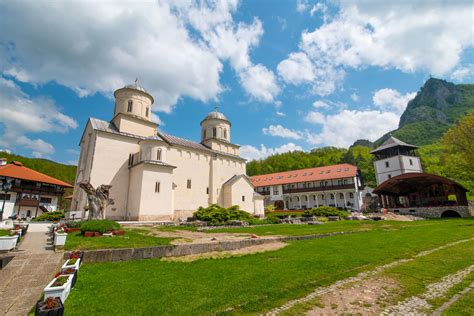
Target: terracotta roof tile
(305, 175)
(18, 171)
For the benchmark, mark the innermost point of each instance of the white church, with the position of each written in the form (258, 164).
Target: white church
(157, 176)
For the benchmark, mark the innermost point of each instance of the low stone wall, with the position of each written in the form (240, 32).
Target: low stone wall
(125, 254)
(432, 212)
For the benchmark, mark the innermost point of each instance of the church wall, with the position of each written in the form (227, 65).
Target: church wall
(155, 205)
(193, 165)
(415, 165)
(234, 192)
(223, 170)
(140, 103)
(110, 166)
(131, 125)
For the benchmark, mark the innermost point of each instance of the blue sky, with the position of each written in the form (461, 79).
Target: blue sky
(290, 75)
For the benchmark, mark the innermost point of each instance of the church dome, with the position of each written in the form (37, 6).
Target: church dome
(215, 115)
(136, 86)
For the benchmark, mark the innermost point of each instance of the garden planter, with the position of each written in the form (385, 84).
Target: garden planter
(74, 265)
(77, 254)
(119, 232)
(89, 234)
(60, 239)
(61, 291)
(97, 234)
(49, 307)
(72, 230)
(8, 243)
(70, 271)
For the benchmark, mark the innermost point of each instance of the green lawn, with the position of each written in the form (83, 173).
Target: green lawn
(253, 283)
(133, 238)
(329, 227)
(463, 307)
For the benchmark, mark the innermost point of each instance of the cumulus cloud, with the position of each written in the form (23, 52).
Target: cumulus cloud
(354, 97)
(319, 104)
(21, 115)
(175, 48)
(392, 100)
(422, 36)
(315, 118)
(280, 113)
(345, 127)
(296, 69)
(252, 153)
(280, 131)
(463, 72)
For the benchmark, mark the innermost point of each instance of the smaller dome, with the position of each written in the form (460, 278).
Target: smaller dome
(216, 115)
(136, 86)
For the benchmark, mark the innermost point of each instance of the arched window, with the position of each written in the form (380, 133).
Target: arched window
(130, 106)
(225, 133)
(214, 132)
(341, 196)
(204, 134)
(147, 112)
(158, 154)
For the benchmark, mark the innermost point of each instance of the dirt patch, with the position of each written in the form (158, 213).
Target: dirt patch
(186, 236)
(366, 297)
(400, 218)
(232, 253)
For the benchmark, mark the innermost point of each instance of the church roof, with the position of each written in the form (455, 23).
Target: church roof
(392, 142)
(215, 115)
(16, 170)
(305, 175)
(100, 125)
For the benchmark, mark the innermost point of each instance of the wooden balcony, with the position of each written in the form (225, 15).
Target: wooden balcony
(38, 190)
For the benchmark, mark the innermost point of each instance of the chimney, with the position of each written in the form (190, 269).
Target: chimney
(3, 161)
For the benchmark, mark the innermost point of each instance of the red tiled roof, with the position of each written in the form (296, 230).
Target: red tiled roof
(18, 171)
(305, 175)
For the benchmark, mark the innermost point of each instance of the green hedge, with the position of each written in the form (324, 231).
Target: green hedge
(50, 216)
(217, 215)
(101, 226)
(326, 211)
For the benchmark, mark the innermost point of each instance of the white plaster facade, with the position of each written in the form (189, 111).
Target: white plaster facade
(156, 176)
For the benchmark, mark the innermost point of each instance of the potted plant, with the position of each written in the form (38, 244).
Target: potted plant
(69, 271)
(72, 263)
(59, 287)
(77, 255)
(51, 306)
(60, 237)
(8, 240)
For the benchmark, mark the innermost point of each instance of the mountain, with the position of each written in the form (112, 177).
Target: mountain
(437, 106)
(66, 173)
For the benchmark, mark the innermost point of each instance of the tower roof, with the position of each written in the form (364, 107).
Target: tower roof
(392, 142)
(136, 86)
(215, 115)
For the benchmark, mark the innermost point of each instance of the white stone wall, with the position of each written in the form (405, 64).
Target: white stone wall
(239, 193)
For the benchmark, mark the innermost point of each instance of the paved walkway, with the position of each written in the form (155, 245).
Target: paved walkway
(22, 281)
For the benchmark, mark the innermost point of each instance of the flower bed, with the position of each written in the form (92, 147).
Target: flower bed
(59, 287)
(72, 263)
(51, 306)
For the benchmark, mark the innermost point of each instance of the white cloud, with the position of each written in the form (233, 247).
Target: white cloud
(280, 131)
(175, 48)
(345, 127)
(251, 153)
(296, 69)
(422, 36)
(280, 113)
(315, 118)
(302, 5)
(392, 100)
(354, 97)
(260, 83)
(462, 73)
(21, 115)
(319, 104)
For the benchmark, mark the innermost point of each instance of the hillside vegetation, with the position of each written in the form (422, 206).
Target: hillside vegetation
(66, 173)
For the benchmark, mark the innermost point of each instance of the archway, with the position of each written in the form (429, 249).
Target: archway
(279, 205)
(450, 214)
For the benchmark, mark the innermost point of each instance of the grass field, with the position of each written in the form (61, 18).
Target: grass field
(133, 238)
(253, 283)
(463, 307)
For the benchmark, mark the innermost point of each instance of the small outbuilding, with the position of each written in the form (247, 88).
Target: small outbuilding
(425, 195)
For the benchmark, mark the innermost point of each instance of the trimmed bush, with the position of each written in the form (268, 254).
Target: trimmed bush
(326, 211)
(217, 215)
(73, 224)
(100, 226)
(50, 216)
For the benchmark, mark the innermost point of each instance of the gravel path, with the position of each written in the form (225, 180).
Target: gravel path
(418, 305)
(358, 278)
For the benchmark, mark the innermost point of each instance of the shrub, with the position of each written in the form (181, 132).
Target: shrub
(73, 224)
(326, 211)
(101, 226)
(217, 215)
(50, 216)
